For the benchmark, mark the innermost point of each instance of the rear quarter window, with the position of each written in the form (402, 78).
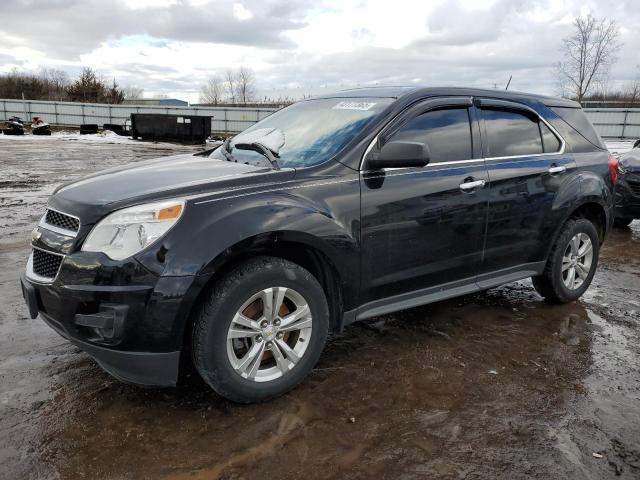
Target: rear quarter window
(580, 126)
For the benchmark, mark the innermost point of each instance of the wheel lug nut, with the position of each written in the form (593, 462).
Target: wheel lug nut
(280, 335)
(264, 324)
(269, 344)
(258, 338)
(276, 322)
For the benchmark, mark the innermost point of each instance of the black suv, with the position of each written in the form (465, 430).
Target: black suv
(243, 259)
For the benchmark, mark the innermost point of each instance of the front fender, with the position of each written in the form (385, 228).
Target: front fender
(322, 215)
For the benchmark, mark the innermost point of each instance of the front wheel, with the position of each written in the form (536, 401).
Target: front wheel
(571, 264)
(261, 331)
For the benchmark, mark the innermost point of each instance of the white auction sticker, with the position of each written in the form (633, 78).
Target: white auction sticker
(354, 106)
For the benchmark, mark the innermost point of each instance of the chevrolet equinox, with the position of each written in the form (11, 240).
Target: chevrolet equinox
(241, 260)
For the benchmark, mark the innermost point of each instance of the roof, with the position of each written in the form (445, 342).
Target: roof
(402, 91)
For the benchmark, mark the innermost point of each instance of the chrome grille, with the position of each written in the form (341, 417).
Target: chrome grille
(60, 220)
(46, 264)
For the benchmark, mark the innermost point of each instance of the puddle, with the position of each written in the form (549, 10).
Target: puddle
(495, 385)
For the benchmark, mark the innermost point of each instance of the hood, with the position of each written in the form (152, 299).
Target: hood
(173, 176)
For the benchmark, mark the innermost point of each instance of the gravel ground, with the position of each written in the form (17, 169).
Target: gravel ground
(496, 385)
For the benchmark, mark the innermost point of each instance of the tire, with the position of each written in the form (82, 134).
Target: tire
(553, 283)
(223, 362)
(622, 222)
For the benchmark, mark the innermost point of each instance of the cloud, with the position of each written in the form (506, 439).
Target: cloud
(172, 46)
(66, 28)
(9, 60)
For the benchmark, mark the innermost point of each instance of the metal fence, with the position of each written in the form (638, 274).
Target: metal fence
(618, 123)
(224, 119)
(621, 123)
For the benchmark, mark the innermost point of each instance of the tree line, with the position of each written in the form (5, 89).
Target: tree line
(52, 84)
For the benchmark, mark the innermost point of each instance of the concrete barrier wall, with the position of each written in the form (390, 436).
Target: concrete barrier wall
(618, 123)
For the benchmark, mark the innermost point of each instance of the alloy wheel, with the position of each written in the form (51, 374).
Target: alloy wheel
(269, 334)
(577, 261)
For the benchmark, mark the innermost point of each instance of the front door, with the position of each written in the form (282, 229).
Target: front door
(423, 227)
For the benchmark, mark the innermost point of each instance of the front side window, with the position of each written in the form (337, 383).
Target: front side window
(446, 132)
(511, 133)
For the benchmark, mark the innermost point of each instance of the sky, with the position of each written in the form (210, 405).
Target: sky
(296, 47)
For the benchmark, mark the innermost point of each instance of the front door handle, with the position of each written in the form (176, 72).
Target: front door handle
(468, 186)
(556, 169)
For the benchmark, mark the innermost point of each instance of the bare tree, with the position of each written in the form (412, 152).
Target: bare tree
(245, 85)
(631, 93)
(56, 81)
(133, 92)
(230, 85)
(588, 55)
(211, 92)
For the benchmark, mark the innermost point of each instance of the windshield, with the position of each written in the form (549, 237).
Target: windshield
(310, 132)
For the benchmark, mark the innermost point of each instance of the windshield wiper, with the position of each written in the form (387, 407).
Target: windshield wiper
(257, 147)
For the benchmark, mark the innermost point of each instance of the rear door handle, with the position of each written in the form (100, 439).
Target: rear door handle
(467, 186)
(555, 169)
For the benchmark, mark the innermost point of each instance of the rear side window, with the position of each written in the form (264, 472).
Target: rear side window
(511, 133)
(446, 132)
(550, 142)
(577, 120)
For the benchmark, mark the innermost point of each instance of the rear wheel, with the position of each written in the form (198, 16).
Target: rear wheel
(622, 222)
(571, 264)
(261, 331)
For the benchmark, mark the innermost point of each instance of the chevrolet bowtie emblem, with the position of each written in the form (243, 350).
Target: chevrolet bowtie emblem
(35, 235)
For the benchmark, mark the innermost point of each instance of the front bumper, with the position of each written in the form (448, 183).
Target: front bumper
(627, 197)
(131, 321)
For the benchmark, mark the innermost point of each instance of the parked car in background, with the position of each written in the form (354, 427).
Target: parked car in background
(335, 209)
(627, 199)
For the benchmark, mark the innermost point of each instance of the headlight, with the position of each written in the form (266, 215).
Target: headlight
(126, 232)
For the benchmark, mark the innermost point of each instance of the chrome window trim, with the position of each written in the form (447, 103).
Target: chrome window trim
(563, 145)
(62, 231)
(33, 276)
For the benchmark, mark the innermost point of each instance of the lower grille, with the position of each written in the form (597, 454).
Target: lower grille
(46, 264)
(634, 185)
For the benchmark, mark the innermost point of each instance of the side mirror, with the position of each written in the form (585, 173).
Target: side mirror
(399, 154)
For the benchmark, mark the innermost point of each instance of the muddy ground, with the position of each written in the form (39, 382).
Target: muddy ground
(496, 385)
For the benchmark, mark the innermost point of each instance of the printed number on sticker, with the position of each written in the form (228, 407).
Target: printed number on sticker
(353, 106)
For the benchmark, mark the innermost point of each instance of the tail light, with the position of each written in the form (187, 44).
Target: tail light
(613, 169)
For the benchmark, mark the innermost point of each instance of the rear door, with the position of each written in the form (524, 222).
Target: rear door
(527, 164)
(422, 226)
